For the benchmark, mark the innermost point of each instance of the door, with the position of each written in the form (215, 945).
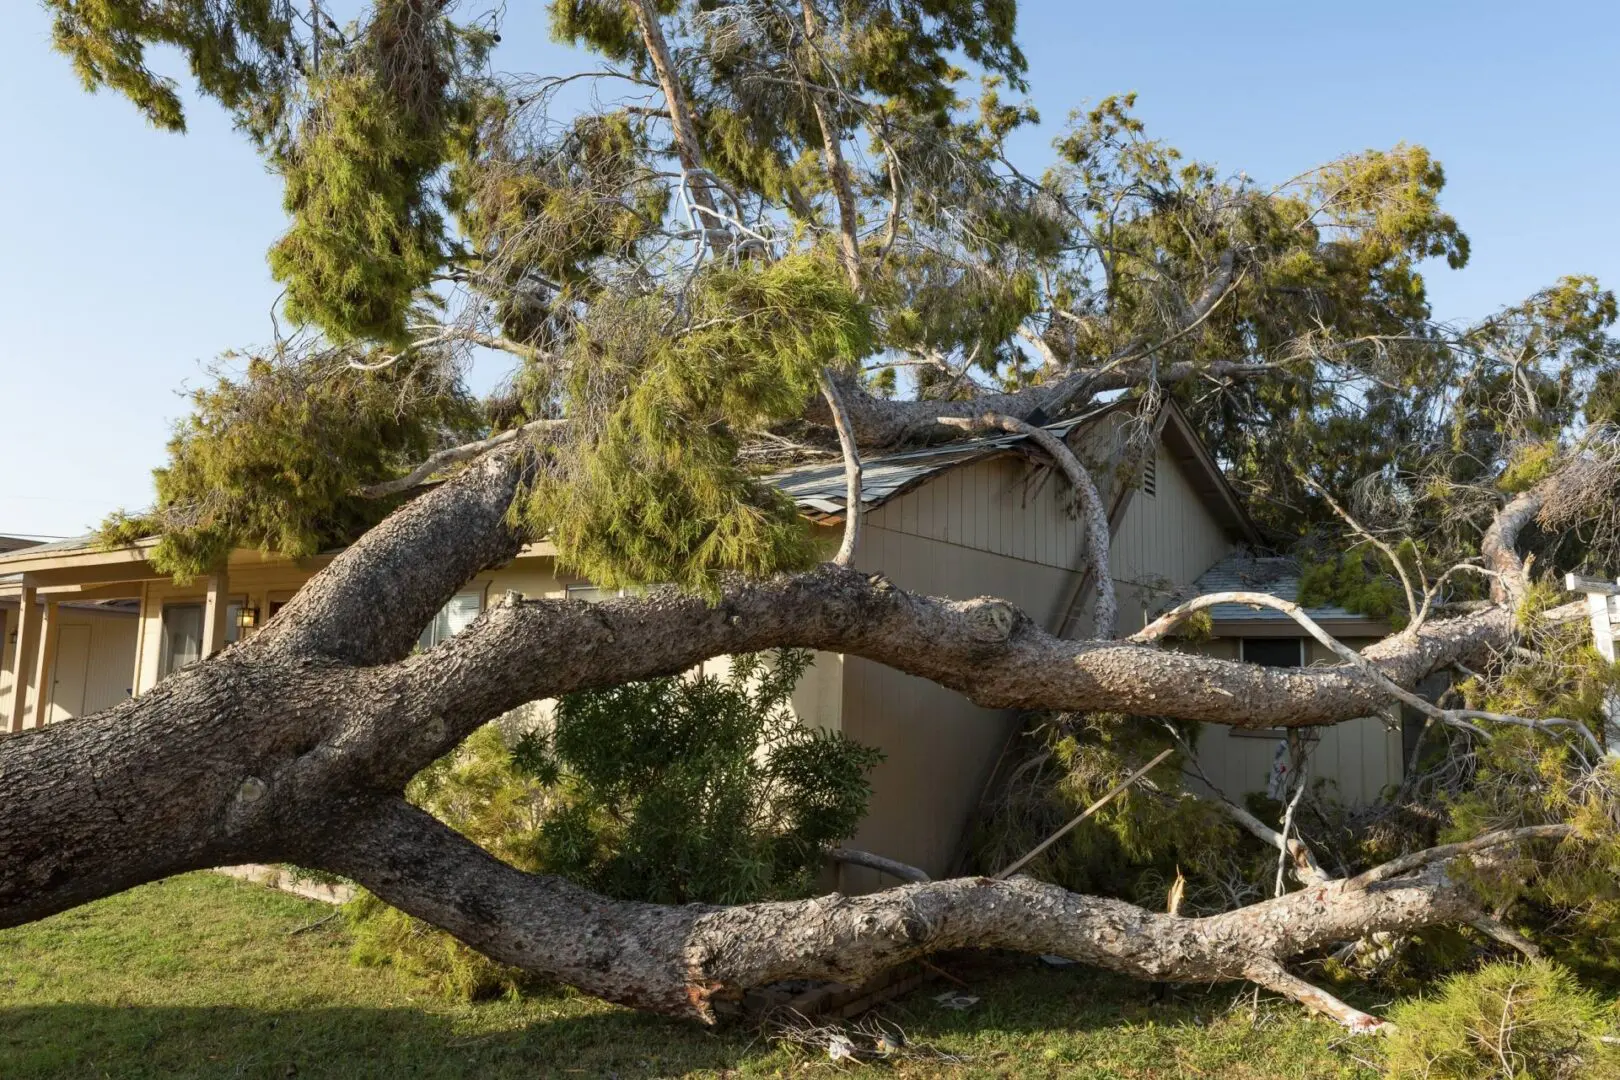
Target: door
(72, 666)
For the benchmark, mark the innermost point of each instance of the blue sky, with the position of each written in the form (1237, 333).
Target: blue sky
(131, 258)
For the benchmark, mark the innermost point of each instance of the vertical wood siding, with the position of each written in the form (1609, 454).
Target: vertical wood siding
(940, 748)
(100, 650)
(1001, 527)
(1166, 538)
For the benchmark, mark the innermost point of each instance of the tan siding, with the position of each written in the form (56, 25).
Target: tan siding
(8, 652)
(1170, 535)
(940, 747)
(95, 656)
(1005, 506)
(1357, 760)
(261, 583)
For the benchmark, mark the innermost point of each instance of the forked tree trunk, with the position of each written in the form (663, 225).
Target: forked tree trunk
(296, 745)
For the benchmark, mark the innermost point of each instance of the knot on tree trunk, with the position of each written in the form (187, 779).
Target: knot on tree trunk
(992, 621)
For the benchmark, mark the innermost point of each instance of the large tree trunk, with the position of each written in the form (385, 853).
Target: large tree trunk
(296, 745)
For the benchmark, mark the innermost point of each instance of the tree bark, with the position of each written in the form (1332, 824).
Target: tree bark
(688, 960)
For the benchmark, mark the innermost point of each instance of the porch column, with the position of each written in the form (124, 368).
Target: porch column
(214, 611)
(22, 658)
(45, 669)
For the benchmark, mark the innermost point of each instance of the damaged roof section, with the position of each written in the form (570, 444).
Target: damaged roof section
(818, 488)
(1243, 571)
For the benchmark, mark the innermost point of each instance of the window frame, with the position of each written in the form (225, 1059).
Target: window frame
(233, 633)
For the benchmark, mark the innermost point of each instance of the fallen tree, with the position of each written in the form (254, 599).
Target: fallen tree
(296, 745)
(694, 290)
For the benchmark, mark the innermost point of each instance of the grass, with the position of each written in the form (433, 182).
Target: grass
(203, 976)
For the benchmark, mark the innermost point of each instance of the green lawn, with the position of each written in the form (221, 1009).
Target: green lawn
(202, 976)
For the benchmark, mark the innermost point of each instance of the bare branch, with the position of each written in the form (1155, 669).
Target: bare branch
(1454, 717)
(1274, 977)
(1017, 865)
(893, 867)
(455, 455)
(1405, 864)
(854, 509)
(1500, 931)
(1105, 614)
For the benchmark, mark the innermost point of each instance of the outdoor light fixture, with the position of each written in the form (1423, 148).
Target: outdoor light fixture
(247, 618)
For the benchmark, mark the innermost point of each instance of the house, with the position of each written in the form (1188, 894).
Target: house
(979, 517)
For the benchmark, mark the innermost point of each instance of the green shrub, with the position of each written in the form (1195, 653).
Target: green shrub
(699, 789)
(680, 790)
(1507, 1021)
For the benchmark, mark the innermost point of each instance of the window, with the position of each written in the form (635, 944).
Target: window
(453, 618)
(1274, 652)
(1269, 652)
(182, 643)
(1150, 474)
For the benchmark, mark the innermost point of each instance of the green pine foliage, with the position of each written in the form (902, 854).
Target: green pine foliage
(246, 61)
(272, 459)
(1352, 581)
(362, 173)
(1505, 1021)
(365, 239)
(652, 492)
(1132, 847)
(696, 789)
(1567, 893)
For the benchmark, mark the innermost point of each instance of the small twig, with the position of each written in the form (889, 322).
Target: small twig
(1412, 607)
(316, 923)
(1288, 823)
(452, 456)
(942, 973)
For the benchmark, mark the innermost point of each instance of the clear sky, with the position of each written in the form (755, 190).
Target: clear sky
(129, 258)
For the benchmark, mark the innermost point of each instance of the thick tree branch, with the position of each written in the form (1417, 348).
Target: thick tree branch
(370, 605)
(881, 422)
(1167, 622)
(1498, 545)
(689, 960)
(1405, 864)
(986, 649)
(1105, 613)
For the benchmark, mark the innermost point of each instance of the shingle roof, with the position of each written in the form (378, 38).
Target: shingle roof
(35, 550)
(819, 486)
(1242, 571)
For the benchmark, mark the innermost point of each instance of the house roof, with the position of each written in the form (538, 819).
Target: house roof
(818, 488)
(1243, 571)
(13, 543)
(28, 549)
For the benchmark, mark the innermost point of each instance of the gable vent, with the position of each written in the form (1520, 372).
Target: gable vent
(1150, 476)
